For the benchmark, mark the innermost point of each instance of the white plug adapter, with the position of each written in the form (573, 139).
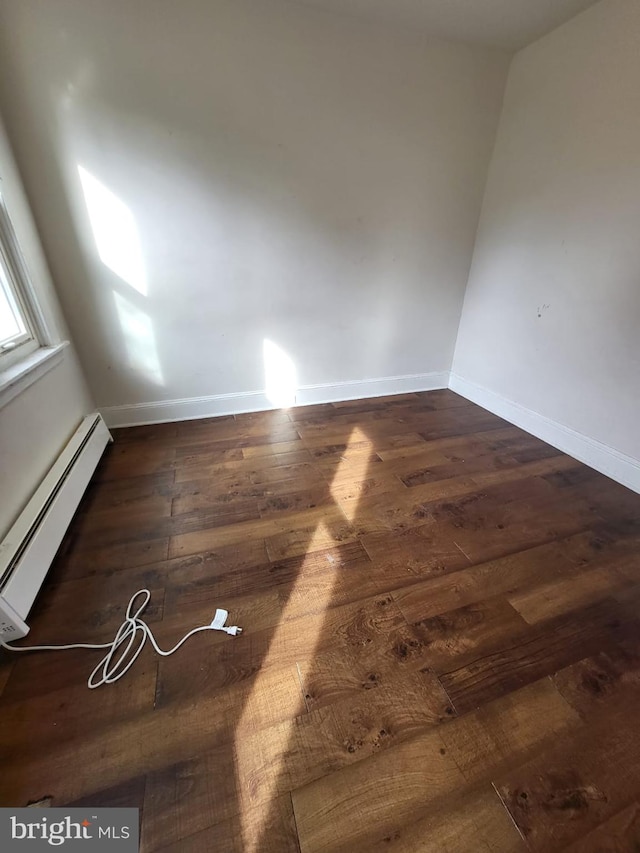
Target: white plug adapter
(12, 627)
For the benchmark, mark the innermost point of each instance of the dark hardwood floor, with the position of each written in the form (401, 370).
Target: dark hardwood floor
(441, 647)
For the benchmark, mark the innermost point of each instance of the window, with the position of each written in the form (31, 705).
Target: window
(20, 325)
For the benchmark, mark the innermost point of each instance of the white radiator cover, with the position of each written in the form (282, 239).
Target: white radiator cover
(28, 549)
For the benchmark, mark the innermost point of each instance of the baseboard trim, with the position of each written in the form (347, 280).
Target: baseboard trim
(162, 411)
(620, 467)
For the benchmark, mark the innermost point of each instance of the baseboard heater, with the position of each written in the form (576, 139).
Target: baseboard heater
(28, 549)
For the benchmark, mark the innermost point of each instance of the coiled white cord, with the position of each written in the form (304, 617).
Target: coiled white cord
(133, 630)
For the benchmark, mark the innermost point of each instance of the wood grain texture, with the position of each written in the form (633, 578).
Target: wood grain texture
(594, 773)
(472, 821)
(619, 834)
(534, 652)
(441, 647)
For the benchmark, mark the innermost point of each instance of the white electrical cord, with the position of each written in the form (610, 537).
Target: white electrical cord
(111, 670)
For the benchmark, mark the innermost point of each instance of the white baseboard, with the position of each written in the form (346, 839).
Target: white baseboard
(162, 411)
(620, 467)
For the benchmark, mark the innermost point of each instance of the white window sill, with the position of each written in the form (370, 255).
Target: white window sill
(17, 378)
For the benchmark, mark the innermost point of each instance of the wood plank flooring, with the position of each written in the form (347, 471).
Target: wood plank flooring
(441, 647)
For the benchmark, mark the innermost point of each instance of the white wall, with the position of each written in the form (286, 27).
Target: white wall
(551, 318)
(36, 424)
(289, 174)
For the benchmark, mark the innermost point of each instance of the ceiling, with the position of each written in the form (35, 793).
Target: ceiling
(505, 24)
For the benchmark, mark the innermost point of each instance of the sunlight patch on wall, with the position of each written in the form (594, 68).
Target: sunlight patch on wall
(115, 232)
(281, 382)
(139, 340)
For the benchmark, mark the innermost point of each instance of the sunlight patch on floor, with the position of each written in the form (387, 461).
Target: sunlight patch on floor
(255, 821)
(354, 465)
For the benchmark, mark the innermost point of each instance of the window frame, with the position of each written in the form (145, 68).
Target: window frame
(21, 294)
